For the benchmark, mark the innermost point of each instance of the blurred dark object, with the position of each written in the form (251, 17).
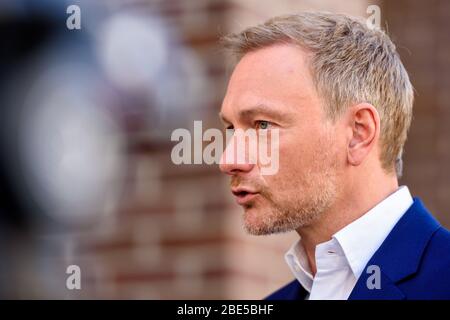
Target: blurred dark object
(22, 36)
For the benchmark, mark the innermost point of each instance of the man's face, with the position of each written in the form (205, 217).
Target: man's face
(271, 88)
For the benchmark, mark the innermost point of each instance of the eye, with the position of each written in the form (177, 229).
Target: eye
(262, 124)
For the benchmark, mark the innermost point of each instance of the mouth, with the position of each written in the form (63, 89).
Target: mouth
(244, 195)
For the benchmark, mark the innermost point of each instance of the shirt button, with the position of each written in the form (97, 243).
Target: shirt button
(296, 268)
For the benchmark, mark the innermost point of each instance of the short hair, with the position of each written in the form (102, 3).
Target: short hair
(350, 63)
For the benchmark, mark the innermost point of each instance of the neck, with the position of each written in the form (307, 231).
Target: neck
(346, 209)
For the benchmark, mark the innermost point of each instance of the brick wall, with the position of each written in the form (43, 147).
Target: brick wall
(421, 31)
(178, 233)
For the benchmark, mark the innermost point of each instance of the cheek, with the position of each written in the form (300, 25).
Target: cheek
(308, 155)
(292, 165)
(299, 157)
(296, 155)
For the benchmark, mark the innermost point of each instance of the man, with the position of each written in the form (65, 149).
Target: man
(341, 101)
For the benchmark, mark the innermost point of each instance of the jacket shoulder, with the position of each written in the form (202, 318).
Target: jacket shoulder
(438, 250)
(432, 279)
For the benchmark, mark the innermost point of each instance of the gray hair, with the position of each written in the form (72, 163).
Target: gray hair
(350, 63)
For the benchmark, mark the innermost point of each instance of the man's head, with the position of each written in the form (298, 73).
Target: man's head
(341, 100)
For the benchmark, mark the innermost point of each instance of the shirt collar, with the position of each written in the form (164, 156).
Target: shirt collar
(358, 241)
(297, 261)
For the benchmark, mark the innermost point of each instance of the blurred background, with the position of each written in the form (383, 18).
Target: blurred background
(86, 115)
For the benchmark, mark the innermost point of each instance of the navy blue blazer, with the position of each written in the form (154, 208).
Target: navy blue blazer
(414, 261)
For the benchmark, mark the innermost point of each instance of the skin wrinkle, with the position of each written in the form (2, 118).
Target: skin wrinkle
(292, 212)
(349, 63)
(324, 166)
(350, 103)
(286, 211)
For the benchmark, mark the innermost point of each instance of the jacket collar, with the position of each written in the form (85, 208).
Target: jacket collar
(399, 255)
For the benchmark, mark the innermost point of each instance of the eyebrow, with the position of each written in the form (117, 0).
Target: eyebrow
(260, 109)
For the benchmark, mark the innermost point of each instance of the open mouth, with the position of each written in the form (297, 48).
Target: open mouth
(244, 196)
(240, 193)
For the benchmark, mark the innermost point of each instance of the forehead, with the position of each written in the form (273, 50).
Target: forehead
(276, 75)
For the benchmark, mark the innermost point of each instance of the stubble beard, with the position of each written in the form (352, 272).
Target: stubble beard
(278, 213)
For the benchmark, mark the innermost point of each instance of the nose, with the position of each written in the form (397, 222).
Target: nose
(233, 162)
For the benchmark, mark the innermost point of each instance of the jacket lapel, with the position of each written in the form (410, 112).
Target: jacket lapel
(399, 255)
(296, 292)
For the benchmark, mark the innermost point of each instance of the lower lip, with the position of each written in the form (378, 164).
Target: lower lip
(245, 199)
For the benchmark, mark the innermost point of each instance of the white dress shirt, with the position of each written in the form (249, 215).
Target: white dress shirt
(341, 260)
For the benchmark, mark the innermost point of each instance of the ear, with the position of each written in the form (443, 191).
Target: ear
(364, 125)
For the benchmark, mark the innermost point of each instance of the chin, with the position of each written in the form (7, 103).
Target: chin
(253, 223)
(256, 222)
